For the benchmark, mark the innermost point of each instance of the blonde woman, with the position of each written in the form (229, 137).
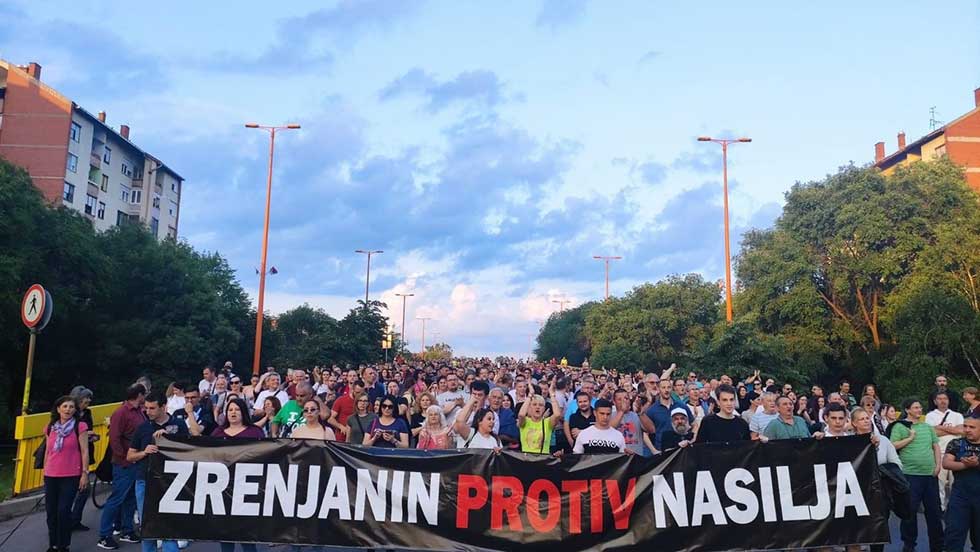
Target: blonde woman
(422, 404)
(534, 427)
(435, 433)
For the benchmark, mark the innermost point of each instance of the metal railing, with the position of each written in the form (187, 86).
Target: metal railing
(29, 432)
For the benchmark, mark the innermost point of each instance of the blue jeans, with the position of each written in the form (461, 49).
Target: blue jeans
(59, 495)
(924, 489)
(150, 545)
(121, 501)
(962, 512)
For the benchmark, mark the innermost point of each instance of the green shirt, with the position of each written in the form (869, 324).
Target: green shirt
(288, 418)
(779, 429)
(918, 457)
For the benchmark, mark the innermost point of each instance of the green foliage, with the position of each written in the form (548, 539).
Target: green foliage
(655, 324)
(563, 335)
(870, 275)
(439, 351)
(128, 305)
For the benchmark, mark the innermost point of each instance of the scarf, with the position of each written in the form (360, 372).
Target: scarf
(61, 430)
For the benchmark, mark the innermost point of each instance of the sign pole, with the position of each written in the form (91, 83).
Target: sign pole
(30, 369)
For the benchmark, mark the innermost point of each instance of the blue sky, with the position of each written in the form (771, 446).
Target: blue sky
(491, 148)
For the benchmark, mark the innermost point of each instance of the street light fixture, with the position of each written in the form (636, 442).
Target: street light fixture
(404, 297)
(562, 302)
(606, 259)
(265, 237)
(367, 282)
(728, 252)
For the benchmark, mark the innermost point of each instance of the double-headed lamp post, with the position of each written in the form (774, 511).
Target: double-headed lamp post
(367, 282)
(265, 237)
(606, 259)
(728, 252)
(404, 297)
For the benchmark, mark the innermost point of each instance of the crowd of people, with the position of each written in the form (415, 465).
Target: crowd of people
(539, 408)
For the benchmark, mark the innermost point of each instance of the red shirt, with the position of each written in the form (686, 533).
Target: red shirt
(344, 407)
(122, 425)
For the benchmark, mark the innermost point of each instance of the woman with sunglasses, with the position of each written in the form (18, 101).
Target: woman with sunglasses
(313, 427)
(388, 431)
(361, 420)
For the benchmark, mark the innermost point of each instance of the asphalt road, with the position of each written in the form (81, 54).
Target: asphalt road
(30, 534)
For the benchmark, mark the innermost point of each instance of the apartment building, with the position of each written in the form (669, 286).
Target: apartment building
(77, 160)
(959, 140)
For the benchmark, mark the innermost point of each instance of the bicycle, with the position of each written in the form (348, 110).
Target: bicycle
(100, 481)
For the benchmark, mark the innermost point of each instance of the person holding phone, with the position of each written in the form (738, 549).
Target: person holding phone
(388, 430)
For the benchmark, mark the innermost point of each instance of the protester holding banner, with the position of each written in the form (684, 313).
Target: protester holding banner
(601, 438)
(918, 446)
(479, 433)
(680, 433)
(725, 426)
(435, 433)
(313, 427)
(787, 425)
(158, 423)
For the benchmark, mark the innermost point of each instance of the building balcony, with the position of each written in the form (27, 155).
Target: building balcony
(95, 161)
(137, 182)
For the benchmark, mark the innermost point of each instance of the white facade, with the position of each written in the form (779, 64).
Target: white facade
(113, 181)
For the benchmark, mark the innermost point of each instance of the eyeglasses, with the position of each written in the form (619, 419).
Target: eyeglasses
(311, 410)
(362, 401)
(236, 382)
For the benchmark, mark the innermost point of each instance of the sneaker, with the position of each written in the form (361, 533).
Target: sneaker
(108, 543)
(80, 527)
(129, 537)
(116, 532)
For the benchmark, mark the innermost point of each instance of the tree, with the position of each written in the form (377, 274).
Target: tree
(656, 324)
(563, 336)
(439, 351)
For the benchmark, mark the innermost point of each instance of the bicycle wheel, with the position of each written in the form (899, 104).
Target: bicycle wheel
(100, 490)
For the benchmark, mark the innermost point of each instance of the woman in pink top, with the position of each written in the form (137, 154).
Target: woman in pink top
(435, 434)
(65, 460)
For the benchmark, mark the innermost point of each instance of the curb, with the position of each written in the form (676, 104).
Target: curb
(19, 506)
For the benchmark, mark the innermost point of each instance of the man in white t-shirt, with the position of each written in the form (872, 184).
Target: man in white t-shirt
(600, 438)
(452, 400)
(949, 426)
(206, 385)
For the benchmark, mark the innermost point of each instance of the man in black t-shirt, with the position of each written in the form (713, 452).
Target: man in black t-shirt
(143, 444)
(724, 426)
(582, 418)
(962, 457)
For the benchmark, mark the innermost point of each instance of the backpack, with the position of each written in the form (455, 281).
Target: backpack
(42, 450)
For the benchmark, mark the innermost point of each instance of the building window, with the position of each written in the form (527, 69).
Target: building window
(101, 212)
(105, 183)
(154, 226)
(69, 195)
(107, 155)
(124, 167)
(90, 202)
(172, 232)
(124, 193)
(173, 186)
(76, 132)
(137, 197)
(940, 151)
(156, 200)
(173, 209)
(73, 162)
(121, 218)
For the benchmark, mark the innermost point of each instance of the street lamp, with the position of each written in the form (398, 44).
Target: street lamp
(728, 252)
(606, 259)
(265, 237)
(562, 302)
(367, 283)
(404, 297)
(423, 319)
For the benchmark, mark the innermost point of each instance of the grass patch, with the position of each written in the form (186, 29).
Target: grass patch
(6, 472)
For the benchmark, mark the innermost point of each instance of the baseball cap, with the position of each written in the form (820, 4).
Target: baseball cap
(677, 411)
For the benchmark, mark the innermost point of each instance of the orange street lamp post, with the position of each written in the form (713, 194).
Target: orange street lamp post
(606, 259)
(728, 251)
(265, 238)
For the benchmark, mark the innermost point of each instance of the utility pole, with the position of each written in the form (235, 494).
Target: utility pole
(606, 259)
(728, 252)
(367, 281)
(423, 319)
(562, 302)
(404, 297)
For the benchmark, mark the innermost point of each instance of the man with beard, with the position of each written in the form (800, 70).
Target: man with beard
(679, 434)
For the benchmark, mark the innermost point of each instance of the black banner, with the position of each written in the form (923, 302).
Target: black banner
(777, 495)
